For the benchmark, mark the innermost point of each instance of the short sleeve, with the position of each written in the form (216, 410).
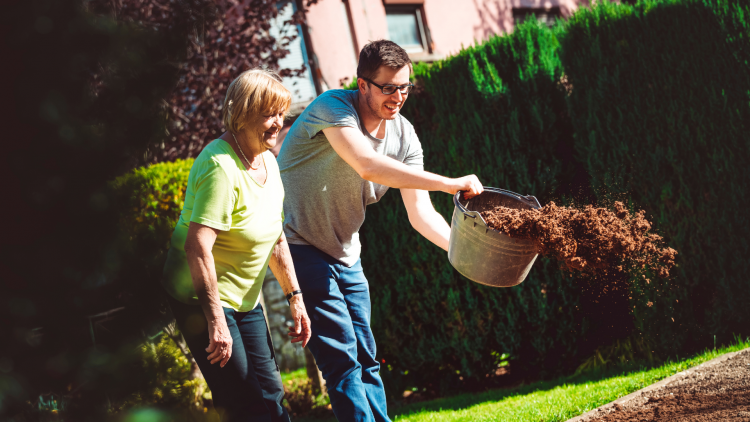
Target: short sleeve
(414, 154)
(331, 109)
(214, 197)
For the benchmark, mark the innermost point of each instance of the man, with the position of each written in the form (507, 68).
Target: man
(342, 154)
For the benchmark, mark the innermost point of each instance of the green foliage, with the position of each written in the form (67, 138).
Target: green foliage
(88, 97)
(631, 349)
(644, 103)
(168, 380)
(149, 200)
(555, 400)
(351, 84)
(301, 400)
(660, 106)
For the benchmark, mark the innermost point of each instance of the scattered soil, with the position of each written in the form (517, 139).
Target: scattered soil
(590, 240)
(719, 392)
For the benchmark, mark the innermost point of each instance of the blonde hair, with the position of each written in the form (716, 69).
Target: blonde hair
(254, 92)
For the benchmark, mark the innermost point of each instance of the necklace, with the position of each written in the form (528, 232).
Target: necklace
(243, 154)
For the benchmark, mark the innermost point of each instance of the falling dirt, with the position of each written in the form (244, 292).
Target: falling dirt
(590, 240)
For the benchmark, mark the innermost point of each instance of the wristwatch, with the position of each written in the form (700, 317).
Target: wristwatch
(296, 292)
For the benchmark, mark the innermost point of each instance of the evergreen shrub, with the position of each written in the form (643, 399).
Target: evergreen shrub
(166, 380)
(646, 104)
(146, 203)
(149, 201)
(660, 104)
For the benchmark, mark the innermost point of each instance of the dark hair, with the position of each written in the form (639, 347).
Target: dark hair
(381, 53)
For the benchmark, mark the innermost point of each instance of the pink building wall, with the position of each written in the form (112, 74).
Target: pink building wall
(331, 42)
(452, 24)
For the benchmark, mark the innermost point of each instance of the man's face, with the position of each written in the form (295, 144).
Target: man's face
(386, 106)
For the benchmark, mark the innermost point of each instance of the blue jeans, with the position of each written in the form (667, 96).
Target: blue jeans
(337, 299)
(248, 388)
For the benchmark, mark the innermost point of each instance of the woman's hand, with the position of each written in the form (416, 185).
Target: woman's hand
(219, 342)
(301, 330)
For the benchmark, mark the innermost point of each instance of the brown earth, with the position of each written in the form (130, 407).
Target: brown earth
(719, 392)
(590, 239)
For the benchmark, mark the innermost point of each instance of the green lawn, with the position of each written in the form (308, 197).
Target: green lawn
(294, 375)
(556, 400)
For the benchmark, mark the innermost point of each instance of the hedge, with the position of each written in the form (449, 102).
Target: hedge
(644, 103)
(660, 109)
(146, 202)
(149, 201)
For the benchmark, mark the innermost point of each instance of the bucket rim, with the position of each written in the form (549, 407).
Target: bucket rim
(529, 200)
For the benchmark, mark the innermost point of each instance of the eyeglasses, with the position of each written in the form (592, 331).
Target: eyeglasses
(391, 89)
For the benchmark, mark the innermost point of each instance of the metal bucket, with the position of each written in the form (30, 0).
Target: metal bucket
(485, 255)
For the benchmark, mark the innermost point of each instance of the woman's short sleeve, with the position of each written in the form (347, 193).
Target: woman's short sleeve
(214, 197)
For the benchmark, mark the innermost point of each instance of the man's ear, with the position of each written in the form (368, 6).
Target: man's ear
(362, 85)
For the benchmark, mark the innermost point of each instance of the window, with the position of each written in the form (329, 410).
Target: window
(546, 16)
(406, 28)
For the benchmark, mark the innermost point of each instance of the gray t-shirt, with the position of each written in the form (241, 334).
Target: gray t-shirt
(325, 197)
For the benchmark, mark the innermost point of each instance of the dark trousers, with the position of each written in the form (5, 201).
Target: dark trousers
(248, 388)
(337, 299)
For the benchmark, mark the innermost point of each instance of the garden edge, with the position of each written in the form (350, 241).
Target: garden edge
(601, 410)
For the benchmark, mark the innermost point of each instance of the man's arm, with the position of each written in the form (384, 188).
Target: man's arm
(355, 149)
(423, 217)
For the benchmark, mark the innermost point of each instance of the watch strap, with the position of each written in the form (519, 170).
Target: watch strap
(296, 292)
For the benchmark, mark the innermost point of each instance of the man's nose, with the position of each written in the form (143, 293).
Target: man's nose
(398, 94)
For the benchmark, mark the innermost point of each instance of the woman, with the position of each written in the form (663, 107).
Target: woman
(229, 231)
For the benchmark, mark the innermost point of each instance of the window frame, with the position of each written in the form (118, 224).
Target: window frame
(418, 11)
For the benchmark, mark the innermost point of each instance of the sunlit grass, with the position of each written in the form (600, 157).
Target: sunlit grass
(299, 374)
(556, 400)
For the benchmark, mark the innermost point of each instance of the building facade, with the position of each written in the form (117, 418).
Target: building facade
(428, 30)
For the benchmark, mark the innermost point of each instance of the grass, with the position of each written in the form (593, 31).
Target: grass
(549, 401)
(298, 375)
(556, 400)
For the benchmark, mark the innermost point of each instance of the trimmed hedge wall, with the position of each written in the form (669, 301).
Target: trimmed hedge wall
(660, 109)
(646, 103)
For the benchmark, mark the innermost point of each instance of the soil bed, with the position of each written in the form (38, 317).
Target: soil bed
(590, 239)
(719, 392)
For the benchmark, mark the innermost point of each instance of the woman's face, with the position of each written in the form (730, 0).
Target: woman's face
(267, 127)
